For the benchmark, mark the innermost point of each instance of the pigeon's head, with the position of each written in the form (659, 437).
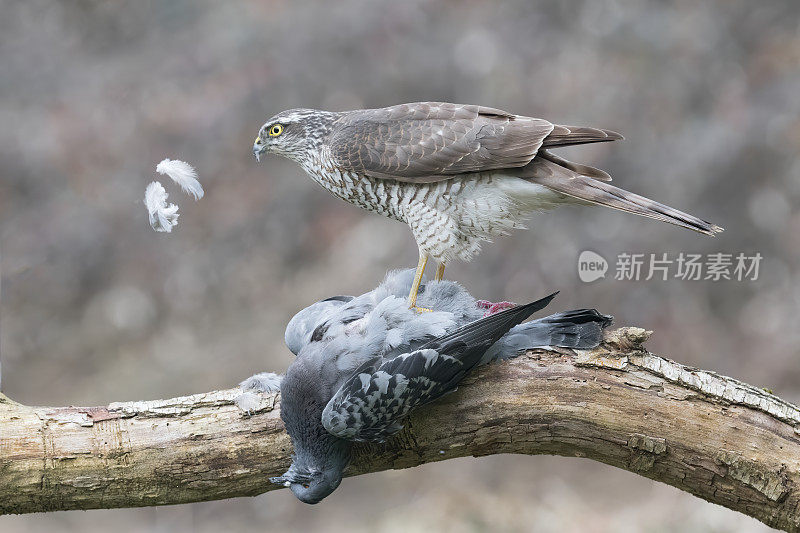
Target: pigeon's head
(301, 327)
(293, 133)
(310, 486)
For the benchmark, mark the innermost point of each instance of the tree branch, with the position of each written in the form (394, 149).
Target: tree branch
(715, 437)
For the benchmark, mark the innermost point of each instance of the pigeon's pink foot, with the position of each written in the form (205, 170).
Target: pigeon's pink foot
(494, 307)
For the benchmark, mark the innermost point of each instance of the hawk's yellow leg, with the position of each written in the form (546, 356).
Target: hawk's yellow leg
(440, 272)
(412, 296)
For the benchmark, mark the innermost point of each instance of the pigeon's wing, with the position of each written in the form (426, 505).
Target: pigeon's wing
(372, 403)
(433, 141)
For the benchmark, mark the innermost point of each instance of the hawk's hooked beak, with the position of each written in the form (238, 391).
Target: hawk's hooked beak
(258, 149)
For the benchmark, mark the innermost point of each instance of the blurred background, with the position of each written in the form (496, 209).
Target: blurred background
(96, 307)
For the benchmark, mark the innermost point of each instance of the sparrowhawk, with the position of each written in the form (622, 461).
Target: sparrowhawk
(458, 175)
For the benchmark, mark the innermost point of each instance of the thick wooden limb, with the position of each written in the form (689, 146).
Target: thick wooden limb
(715, 437)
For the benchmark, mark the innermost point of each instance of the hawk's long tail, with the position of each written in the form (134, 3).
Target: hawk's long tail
(566, 178)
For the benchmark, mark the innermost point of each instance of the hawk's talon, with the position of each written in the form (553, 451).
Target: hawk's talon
(422, 309)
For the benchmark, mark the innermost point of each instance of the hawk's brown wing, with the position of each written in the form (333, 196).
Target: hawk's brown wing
(433, 141)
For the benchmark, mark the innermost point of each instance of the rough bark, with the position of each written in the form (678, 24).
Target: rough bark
(715, 437)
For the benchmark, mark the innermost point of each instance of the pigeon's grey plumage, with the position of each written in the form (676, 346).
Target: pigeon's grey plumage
(458, 175)
(371, 404)
(363, 363)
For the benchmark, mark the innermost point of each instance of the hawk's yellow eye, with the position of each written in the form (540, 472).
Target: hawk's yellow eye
(275, 130)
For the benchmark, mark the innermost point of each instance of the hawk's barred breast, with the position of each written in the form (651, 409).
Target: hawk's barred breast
(449, 218)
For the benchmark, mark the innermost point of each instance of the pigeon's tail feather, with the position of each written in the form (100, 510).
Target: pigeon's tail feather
(548, 171)
(581, 329)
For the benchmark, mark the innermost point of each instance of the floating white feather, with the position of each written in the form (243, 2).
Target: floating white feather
(183, 174)
(163, 217)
